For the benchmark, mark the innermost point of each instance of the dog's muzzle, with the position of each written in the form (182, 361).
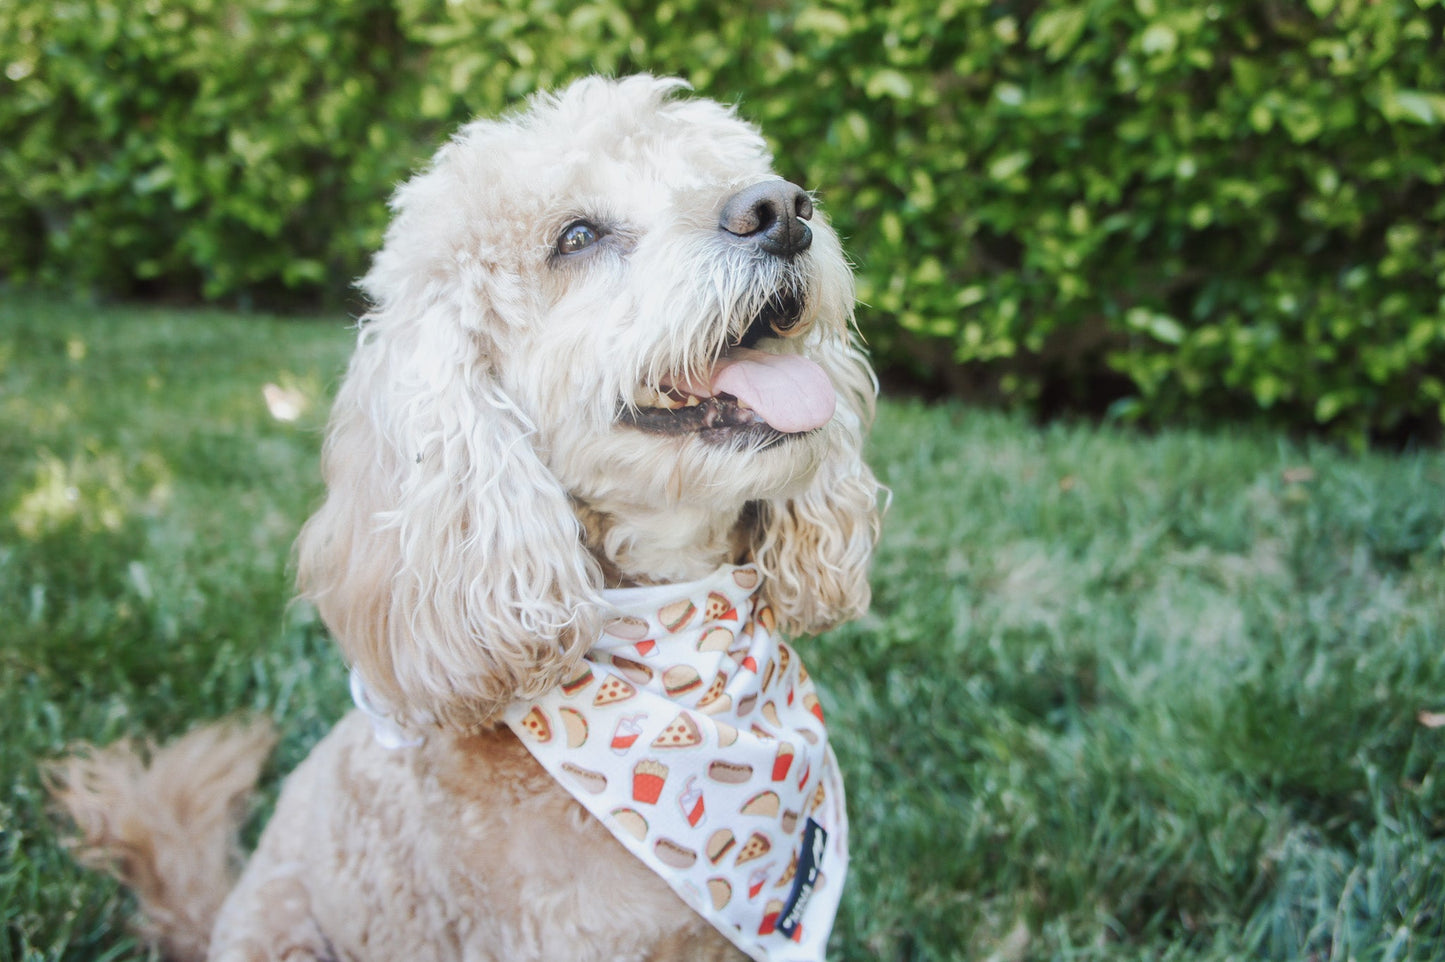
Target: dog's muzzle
(747, 395)
(750, 395)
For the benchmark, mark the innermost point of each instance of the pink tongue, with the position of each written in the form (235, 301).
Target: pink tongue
(789, 392)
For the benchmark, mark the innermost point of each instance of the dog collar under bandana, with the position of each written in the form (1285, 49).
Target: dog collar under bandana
(389, 734)
(696, 737)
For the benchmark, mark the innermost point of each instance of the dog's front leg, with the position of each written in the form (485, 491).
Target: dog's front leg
(270, 920)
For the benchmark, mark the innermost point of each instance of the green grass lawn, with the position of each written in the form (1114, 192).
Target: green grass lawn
(1120, 696)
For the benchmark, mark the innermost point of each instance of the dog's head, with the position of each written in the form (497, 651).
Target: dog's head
(607, 307)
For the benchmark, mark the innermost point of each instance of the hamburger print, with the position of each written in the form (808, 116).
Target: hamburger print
(681, 679)
(578, 681)
(719, 844)
(703, 755)
(674, 617)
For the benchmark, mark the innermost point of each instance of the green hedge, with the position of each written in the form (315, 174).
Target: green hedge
(1229, 205)
(196, 146)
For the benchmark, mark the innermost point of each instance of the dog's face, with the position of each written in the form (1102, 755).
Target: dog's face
(607, 306)
(670, 314)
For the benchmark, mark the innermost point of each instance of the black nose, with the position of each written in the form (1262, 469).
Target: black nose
(770, 215)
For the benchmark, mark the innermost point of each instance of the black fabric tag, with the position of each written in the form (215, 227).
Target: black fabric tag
(810, 859)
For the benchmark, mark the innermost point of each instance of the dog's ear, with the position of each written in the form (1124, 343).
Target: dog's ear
(445, 560)
(815, 546)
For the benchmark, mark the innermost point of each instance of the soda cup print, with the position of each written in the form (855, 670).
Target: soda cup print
(691, 803)
(757, 880)
(783, 761)
(627, 731)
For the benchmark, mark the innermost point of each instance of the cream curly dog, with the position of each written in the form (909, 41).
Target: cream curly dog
(608, 348)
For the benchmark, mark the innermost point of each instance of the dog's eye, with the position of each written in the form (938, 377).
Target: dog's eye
(578, 237)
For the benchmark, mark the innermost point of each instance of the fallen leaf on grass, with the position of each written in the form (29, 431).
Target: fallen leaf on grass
(1300, 475)
(1014, 945)
(285, 404)
(1432, 719)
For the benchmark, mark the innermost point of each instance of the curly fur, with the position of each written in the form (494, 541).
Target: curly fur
(482, 490)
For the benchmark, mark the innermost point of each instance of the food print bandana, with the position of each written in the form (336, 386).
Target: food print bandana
(695, 735)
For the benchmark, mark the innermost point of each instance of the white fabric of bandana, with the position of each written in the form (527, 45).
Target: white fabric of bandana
(695, 735)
